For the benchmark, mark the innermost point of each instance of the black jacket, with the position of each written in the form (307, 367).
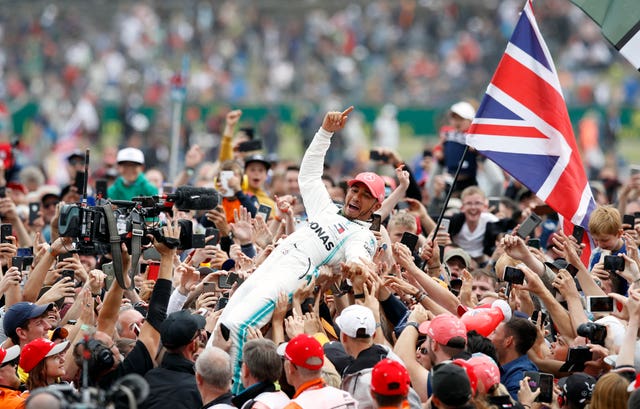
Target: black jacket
(172, 385)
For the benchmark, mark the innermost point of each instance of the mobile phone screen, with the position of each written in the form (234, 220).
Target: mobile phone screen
(528, 226)
(265, 211)
(410, 240)
(546, 388)
(152, 271)
(375, 224)
(600, 304)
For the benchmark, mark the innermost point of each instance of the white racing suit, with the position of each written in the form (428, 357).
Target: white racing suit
(328, 239)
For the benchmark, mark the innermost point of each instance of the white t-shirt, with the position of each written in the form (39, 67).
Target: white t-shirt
(471, 241)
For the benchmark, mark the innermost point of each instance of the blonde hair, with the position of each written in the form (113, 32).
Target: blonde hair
(472, 190)
(605, 220)
(610, 392)
(404, 219)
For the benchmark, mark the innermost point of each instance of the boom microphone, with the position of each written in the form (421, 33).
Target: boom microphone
(194, 198)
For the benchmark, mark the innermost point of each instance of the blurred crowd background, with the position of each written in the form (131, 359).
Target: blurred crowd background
(98, 74)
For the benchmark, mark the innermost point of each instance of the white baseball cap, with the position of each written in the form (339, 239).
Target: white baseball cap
(464, 110)
(130, 155)
(357, 321)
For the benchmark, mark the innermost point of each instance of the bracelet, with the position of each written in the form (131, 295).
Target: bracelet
(421, 296)
(413, 324)
(359, 296)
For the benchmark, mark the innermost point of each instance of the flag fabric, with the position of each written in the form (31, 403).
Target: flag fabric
(619, 21)
(523, 126)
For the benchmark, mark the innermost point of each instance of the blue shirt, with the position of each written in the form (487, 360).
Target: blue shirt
(513, 372)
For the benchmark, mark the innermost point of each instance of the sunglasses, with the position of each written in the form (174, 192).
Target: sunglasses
(13, 362)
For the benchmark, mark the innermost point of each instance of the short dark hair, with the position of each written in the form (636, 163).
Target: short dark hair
(524, 333)
(262, 359)
(478, 343)
(388, 400)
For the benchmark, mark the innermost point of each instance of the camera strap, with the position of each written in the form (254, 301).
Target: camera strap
(116, 251)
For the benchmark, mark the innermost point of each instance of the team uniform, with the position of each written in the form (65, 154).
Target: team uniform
(327, 239)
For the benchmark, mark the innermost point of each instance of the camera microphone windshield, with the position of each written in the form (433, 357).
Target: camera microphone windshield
(194, 198)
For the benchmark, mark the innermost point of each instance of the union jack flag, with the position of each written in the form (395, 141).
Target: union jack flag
(523, 126)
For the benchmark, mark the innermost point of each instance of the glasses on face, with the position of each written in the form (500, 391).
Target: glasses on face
(423, 351)
(13, 362)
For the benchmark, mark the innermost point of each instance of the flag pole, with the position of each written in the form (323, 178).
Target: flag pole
(446, 200)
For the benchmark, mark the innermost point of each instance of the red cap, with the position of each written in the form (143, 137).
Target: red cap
(444, 328)
(390, 378)
(483, 372)
(37, 350)
(303, 350)
(373, 182)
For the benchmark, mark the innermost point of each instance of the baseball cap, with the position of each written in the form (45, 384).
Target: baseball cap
(557, 264)
(373, 182)
(577, 388)
(390, 378)
(464, 110)
(76, 153)
(451, 385)
(258, 157)
(303, 350)
(357, 321)
(455, 252)
(17, 186)
(37, 350)
(130, 155)
(446, 329)
(19, 313)
(180, 328)
(9, 354)
(49, 190)
(482, 371)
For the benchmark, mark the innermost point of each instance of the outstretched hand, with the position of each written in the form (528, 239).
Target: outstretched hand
(335, 120)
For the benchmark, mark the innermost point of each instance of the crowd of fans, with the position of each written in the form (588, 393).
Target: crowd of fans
(476, 314)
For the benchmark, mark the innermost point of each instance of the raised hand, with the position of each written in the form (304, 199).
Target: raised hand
(335, 120)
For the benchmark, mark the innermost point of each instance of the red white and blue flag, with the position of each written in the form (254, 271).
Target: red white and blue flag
(523, 126)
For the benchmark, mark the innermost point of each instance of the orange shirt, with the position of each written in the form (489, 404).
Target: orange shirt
(12, 399)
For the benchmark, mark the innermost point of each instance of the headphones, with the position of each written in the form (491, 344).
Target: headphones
(100, 359)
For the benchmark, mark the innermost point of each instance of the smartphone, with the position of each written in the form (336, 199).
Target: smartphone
(34, 209)
(25, 252)
(197, 241)
(208, 287)
(225, 175)
(214, 233)
(17, 262)
(578, 233)
(5, 231)
(222, 302)
(68, 273)
(573, 270)
(444, 224)
(153, 269)
(513, 275)
(535, 243)
(376, 222)
(63, 256)
(265, 211)
(494, 203)
(223, 282)
(402, 206)
(151, 253)
(634, 170)
(600, 304)
(223, 328)
(576, 358)
(101, 188)
(534, 380)
(535, 314)
(629, 219)
(110, 273)
(233, 278)
(375, 155)
(545, 383)
(3, 191)
(250, 146)
(79, 182)
(528, 226)
(410, 240)
(613, 263)
(167, 188)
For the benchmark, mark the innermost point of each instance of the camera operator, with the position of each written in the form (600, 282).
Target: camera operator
(104, 367)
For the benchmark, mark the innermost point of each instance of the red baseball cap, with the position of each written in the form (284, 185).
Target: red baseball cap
(9, 354)
(303, 350)
(37, 350)
(390, 378)
(373, 182)
(446, 329)
(483, 372)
